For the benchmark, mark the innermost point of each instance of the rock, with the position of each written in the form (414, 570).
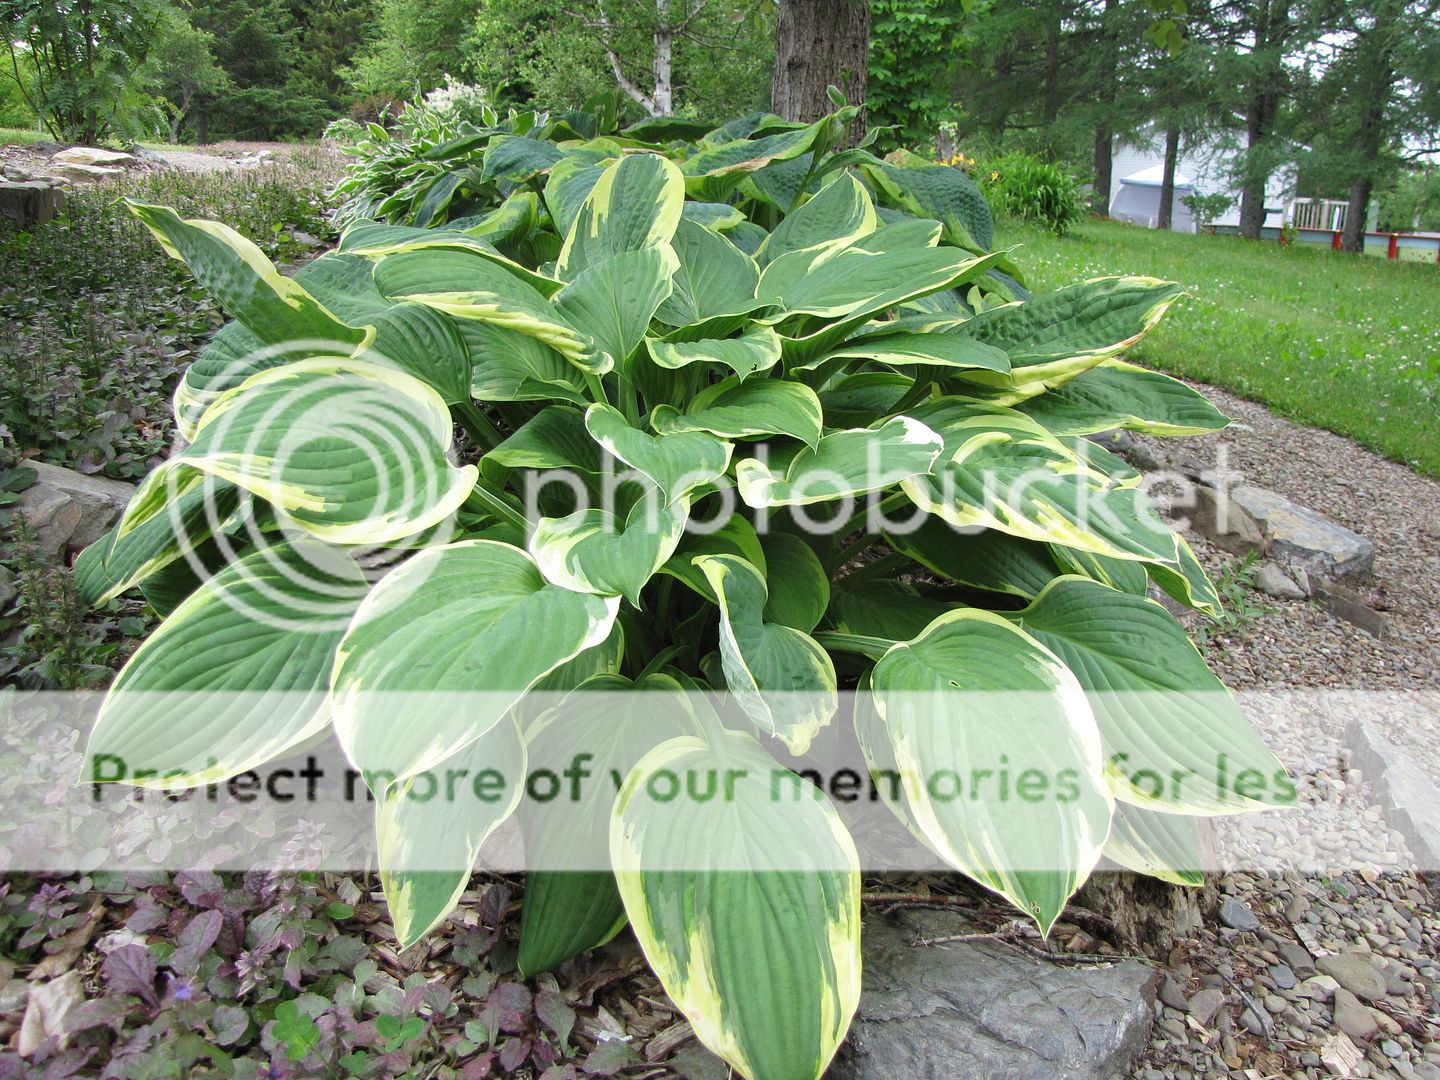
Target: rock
(1282, 976)
(987, 1010)
(1173, 994)
(1390, 1048)
(1353, 1018)
(65, 507)
(1354, 973)
(8, 592)
(46, 1010)
(1149, 915)
(1407, 794)
(30, 202)
(305, 240)
(1296, 538)
(1296, 957)
(1273, 581)
(1205, 1004)
(91, 155)
(86, 174)
(1234, 914)
(13, 996)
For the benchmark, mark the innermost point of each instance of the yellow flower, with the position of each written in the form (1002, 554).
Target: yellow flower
(994, 174)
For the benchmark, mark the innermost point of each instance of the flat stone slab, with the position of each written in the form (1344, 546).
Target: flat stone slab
(68, 508)
(30, 202)
(92, 155)
(1297, 539)
(985, 1009)
(1406, 793)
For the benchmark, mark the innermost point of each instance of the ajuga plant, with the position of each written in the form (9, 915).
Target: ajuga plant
(759, 331)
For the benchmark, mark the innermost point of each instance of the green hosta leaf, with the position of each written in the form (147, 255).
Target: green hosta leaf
(634, 206)
(476, 618)
(568, 186)
(613, 300)
(1004, 471)
(1016, 710)
(1164, 846)
(798, 585)
(1187, 582)
(235, 676)
(839, 214)
(780, 676)
(426, 344)
(513, 219)
(735, 410)
(1120, 395)
(719, 217)
(678, 464)
(855, 400)
(924, 350)
(466, 286)
(1123, 574)
(764, 961)
(754, 351)
(1175, 740)
(276, 309)
(842, 465)
(115, 564)
(939, 192)
(556, 438)
(979, 558)
(735, 537)
(715, 172)
(351, 452)
(517, 158)
(1055, 337)
(883, 608)
(506, 365)
(429, 829)
(715, 281)
(593, 551)
(605, 735)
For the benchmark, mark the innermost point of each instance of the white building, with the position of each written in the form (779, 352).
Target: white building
(1204, 167)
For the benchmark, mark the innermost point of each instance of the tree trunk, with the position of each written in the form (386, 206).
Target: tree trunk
(664, 99)
(1106, 46)
(1258, 121)
(819, 44)
(1166, 219)
(1378, 91)
(1104, 168)
(1352, 237)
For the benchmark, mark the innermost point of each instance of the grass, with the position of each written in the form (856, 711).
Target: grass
(1347, 344)
(21, 136)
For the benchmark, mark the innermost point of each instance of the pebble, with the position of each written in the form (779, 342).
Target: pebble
(1236, 915)
(1282, 976)
(1172, 994)
(1296, 957)
(1355, 973)
(1391, 1049)
(1353, 1018)
(1205, 1004)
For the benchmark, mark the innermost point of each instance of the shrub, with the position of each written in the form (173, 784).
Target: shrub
(1027, 188)
(748, 329)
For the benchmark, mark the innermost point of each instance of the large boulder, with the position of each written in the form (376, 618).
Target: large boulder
(986, 1009)
(65, 508)
(29, 202)
(91, 155)
(84, 174)
(1305, 544)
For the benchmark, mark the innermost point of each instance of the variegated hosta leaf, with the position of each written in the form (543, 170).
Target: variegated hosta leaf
(1164, 846)
(1004, 471)
(594, 551)
(1175, 741)
(799, 587)
(780, 676)
(555, 438)
(350, 451)
(985, 559)
(372, 240)
(716, 171)
(970, 700)
(736, 536)
(756, 350)
(764, 961)
(604, 728)
(839, 214)
(883, 608)
(612, 300)
(634, 206)
(426, 344)
(466, 286)
(506, 365)
(735, 410)
(274, 308)
(474, 618)
(236, 675)
(1054, 337)
(114, 564)
(677, 464)
(1120, 395)
(907, 349)
(429, 829)
(935, 191)
(841, 466)
(713, 287)
(1186, 582)
(566, 189)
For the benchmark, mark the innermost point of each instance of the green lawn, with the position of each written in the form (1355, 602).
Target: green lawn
(21, 136)
(1343, 343)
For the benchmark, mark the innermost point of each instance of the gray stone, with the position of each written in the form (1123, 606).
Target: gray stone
(91, 155)
(1354, 973)
(985, 1009)
(1282, 976)
(65, 507)
(1390, 1048)
(1205, 1004)
(1173, 994)
(1353, 1018)
(1234, 914)
(30, 202)
(13, 995)
(85, 174)
(1273, 581)
(8, 591)
(1296, 957)
(1407, 794)
(1296, 538)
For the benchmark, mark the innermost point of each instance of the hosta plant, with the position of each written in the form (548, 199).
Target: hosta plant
(813, 353)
